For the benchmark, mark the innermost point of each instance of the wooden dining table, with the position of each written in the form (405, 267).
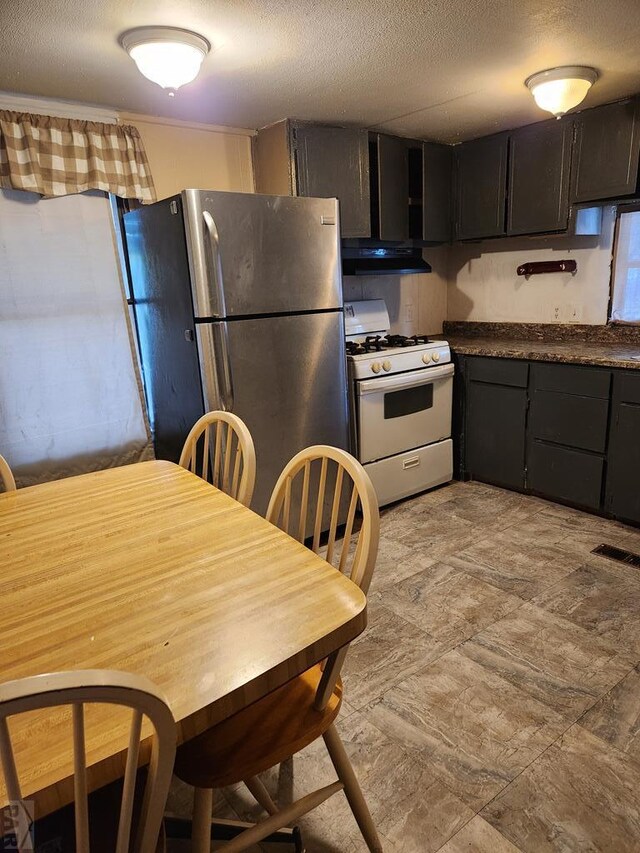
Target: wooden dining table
(149, 569)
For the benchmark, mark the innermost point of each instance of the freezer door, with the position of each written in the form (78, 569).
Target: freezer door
(160, 276)
(286, 378)
(258, 254)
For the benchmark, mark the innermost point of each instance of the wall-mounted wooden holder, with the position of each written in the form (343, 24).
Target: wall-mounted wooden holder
(541, 267)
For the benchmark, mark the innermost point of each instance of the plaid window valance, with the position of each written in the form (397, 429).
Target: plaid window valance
(59, 156)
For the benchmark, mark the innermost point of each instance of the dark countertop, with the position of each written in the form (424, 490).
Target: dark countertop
(601, 353)
(569, 352)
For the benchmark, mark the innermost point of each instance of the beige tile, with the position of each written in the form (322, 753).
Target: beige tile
(448, 604)
(616, 717)
(443, 494)
(478, 837)
(411, 808)
(389, 650)
(434, 535)
(581, 795)
(492, 510)
(410, 805)
(477, 730)
(395, 562)
(574, 531)
(603, 599)
(576, 521)
(517, 565)
(346, 710)
(538, 530)
(630, 536)
(551, 659)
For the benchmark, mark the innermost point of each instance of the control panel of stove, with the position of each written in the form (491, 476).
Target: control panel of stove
(399, 360)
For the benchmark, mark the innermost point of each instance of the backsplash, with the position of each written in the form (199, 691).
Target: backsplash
(417, 303)
(484, 287)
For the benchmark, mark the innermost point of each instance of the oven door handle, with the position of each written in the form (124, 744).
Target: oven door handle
(404, 380)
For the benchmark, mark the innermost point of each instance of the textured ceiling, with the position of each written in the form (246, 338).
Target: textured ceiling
(437, 69)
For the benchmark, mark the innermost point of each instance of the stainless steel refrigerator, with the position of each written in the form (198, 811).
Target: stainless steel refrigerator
(239, 307)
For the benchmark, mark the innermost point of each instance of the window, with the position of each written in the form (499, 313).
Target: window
(69, 395)
(625, 299)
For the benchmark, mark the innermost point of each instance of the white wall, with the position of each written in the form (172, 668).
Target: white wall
(417, 303)
(483, 285)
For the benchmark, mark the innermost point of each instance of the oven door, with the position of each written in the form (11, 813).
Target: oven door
(404, 411)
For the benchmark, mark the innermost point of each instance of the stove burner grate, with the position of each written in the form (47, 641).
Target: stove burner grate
(376, 343)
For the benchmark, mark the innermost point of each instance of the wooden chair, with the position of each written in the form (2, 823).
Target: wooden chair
(6, 477)
(233, 467)
(76, 689)
(296, 714)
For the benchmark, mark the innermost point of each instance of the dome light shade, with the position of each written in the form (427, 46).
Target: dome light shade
(558, 90)
(167, 56)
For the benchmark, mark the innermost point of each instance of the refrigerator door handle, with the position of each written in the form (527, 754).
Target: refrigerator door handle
(215, 366)
(217, 290)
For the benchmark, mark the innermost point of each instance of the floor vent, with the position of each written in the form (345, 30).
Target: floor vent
(618, 554)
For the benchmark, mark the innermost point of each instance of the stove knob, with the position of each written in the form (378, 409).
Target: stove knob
(436, 356)
(386, 365)
(375, 367)
(426, 357)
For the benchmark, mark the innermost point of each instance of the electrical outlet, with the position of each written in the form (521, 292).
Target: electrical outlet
(409, 312)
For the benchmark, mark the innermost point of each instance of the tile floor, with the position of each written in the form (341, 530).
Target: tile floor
(493, 704)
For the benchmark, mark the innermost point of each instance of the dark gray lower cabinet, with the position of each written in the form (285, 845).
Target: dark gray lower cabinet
(623, 474)
(556, 430)
(567, 432)
(565, 474)
(495, 420)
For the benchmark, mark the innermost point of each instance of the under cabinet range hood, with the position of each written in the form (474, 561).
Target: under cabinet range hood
(381, 259)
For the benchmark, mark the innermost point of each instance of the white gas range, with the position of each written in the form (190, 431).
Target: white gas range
(401, 392)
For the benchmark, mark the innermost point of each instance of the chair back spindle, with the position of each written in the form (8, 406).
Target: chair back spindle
(76, 689)
(357, 559)
(298, 505)
(220, 449)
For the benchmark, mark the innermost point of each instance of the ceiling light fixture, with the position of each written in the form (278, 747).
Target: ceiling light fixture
(167, 56)
(558, 90)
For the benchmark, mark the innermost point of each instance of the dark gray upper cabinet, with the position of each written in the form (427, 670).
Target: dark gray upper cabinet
(539, 165)
(437, 165)
(389, 187)
(606, 151)
(623, 472)
(334, 162)
(481, 183)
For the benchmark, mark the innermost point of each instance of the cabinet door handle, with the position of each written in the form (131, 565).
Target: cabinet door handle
(414, 462)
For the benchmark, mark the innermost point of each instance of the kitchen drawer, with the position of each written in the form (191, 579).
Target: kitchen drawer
(579, 422)
(564, 474)
(499, 371)
(412, 472)
(628, 388)
(571, 379)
